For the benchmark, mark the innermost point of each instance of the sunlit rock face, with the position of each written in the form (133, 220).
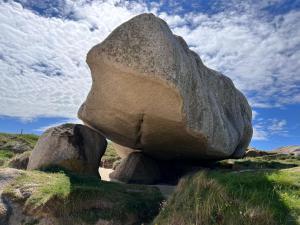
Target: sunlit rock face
(152, 93)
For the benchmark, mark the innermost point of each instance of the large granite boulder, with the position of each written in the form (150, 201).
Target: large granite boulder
(74, 147)
(150, 92)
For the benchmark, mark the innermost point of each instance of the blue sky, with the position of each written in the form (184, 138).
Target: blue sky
(43, 44)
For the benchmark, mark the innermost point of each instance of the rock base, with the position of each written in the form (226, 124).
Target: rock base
(137, 168)
(140, 168)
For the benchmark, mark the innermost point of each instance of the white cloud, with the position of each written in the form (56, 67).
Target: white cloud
(254, 114)
(264, 129)
(42, 59)
(260, 55)
(259, 133)
(278, 127)
(44, 128)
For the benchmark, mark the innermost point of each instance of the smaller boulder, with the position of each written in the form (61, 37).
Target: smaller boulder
(20, 161)
(137, 168)
(74, 147)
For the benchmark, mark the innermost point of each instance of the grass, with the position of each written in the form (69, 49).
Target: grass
(84, 198)
(233, 198)
(279, 161)
(30, 139)
(110, 156)
(18, 161)
(8, 140)
(47, 186)
(5, 155)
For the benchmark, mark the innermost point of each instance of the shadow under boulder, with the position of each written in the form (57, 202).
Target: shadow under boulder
(140, 168)
(137, 168)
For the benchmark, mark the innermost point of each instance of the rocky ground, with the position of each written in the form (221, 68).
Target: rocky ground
(12, 145)
(262, 190)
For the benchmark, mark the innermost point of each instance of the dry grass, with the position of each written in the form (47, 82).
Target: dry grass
(233, 198)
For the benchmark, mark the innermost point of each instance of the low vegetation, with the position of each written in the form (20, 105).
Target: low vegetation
(5, 155)
(253, 191)
(19, 161)
(84, 199)
(14, 144)
(29, 139)
(277, 161)
(110, 157)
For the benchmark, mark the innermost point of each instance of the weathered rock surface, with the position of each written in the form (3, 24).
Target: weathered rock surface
(152, 93)
(75, 147)
(137, 168)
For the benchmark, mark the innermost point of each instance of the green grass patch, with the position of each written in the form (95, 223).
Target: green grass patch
(5, 155)
(263, 162)
(46, 186)
(10, 143)
(110, 156)
(233, 198)
(30, 139)
(85, 198)
(18, 161)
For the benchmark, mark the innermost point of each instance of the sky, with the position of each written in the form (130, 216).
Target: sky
(43, 46)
